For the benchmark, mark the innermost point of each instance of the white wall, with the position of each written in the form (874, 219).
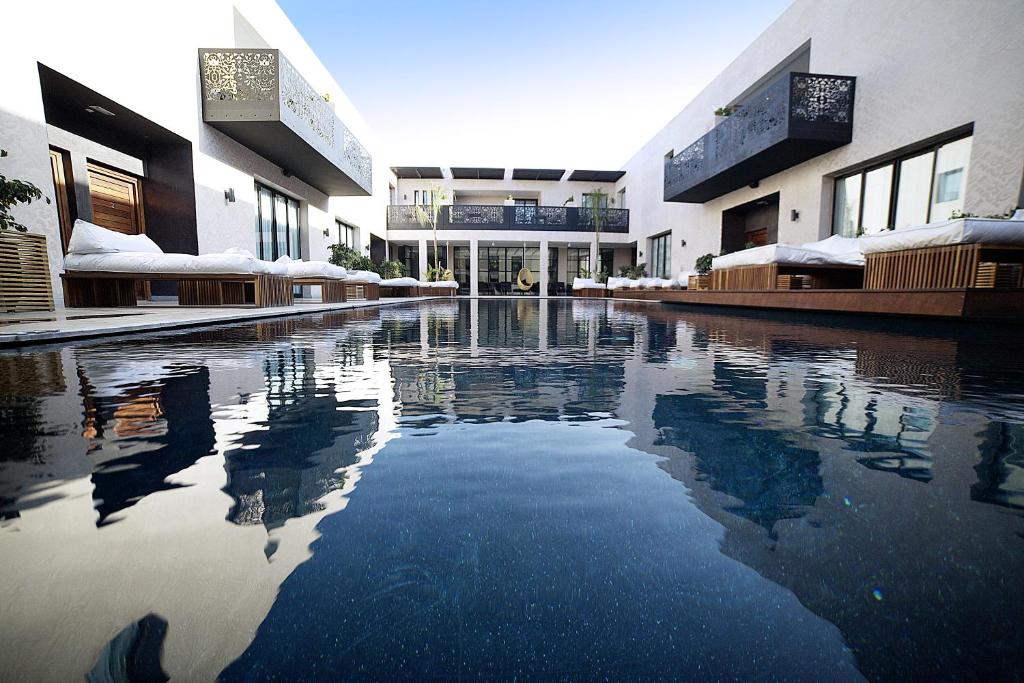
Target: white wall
(923, 67)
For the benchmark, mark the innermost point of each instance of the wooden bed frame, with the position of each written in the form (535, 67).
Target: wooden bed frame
(772, 276)
(591, 292)
(393, 292)
(117, 290)
(334, 291)
(957, 265)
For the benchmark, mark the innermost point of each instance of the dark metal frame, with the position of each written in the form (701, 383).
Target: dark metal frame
(495, 217)
(796, 117)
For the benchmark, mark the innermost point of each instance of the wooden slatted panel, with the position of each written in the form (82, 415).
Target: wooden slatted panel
(24, 273)
(751, 278)
(332, 291)
(116, 200)
(950, 267)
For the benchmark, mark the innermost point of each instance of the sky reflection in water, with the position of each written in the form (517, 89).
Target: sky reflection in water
(529, 489)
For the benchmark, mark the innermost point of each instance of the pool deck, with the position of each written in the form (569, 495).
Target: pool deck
(995, 305)
(17, 329)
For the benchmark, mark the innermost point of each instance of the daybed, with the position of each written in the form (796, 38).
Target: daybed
(399, 286)
(585, 286)
(833, 263)
(442, 288)
(964, 252)
(330, 278)
(362, 285)
(102, 268)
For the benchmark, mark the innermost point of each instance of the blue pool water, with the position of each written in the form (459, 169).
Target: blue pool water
(516, 490)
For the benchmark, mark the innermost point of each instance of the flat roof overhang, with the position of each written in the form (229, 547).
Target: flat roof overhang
(596, 176)
(552, 174)
(257, 98)
(418, 172)
(477, 173)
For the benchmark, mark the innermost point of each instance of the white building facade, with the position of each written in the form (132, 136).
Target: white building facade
(207, 125)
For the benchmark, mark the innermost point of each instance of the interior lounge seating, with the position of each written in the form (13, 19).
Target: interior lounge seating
(103, 267)
(952, 254)
(399, 287)
(329, 277)
(833, 263)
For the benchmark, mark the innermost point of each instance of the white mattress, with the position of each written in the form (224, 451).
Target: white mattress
(622, 282)
(944, 233)
(586, 283)
(400, 282)
(147, 263)
(314, 269)
(445, 284)
(362, 276)
(834, 251)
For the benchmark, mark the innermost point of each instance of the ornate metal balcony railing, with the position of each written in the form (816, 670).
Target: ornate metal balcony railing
(258, 98)
(496, 217)
(795, 118)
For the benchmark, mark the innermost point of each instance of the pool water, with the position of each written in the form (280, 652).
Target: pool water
(516, 490)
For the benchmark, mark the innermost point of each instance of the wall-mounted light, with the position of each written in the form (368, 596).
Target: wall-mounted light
(682, 243)
(229, 195)
(640, 254)
(327, 232)
(794, 215)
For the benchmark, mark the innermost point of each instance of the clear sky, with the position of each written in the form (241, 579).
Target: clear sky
(533, 83)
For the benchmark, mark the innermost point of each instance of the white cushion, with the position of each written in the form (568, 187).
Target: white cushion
(246, 252)
(445, 284)
(89, 238)
(362, 276)
(586, 283)
(791, 254)
(314, 269)
(400, 282)
(944, 233)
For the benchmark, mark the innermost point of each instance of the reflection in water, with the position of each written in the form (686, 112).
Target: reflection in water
(477, 488)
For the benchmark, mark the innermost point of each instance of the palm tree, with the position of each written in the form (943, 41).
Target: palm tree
(598, 199)
(437, 200)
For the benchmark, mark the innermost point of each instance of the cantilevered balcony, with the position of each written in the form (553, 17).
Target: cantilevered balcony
(258, 98)
(795, 118)
(497, 217)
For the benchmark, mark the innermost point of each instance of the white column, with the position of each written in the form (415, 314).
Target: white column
(474, 269)
(423, 258)
(543, 268)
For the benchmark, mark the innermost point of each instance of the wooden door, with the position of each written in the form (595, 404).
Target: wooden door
(116, 200)
(60, 166)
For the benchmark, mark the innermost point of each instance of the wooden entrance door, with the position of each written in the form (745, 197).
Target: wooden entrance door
(60, 166)
(116, 200)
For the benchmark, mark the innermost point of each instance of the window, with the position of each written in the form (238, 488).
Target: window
(927, 186)
(502, 264)
(347, 234)
(592, 199)
(553, 264)
(277, 225)
(578, 260)
(605, 260)
(661, 256)
(622, 198)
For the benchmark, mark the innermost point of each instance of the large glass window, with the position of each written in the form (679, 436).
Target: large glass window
(927, 186)
(461, 269)
(347, 234)
(950, 178)
(606, 260)
(498, 267)
(913, 188)
(277, 225)
(661, 256)
(578, 261)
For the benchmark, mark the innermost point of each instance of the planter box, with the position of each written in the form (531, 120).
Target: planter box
(698, 282)
(24, 273)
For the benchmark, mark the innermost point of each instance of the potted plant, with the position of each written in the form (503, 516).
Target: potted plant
(702, 279)
(24, 264)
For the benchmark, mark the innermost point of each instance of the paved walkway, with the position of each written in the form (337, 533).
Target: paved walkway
(78, 323)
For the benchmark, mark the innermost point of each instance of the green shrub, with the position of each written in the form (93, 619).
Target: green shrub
(703, 264)
(349, 259)
(389, 270)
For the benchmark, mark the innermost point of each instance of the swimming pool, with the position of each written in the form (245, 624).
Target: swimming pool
(527, 489)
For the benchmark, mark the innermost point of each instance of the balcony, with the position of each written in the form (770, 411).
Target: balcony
(496, 217)
(795, 118)
(256, 97)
